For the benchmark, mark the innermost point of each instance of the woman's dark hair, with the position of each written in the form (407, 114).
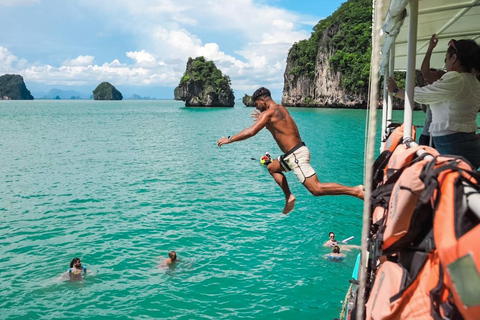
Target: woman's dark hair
(336, 249)
(468, 52)
(74, 261)
(331, 233)
(172, 255)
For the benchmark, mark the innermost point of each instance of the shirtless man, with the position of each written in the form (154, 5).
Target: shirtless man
(296, 157)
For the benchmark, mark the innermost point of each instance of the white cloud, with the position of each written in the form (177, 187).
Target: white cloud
(141, 57)
(79, 61)
(282, 24)
(8, 61)
(6, 57)
(168, 33)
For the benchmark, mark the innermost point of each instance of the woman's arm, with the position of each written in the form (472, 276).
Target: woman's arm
(447, 88)
(394, 89)
(429, 75)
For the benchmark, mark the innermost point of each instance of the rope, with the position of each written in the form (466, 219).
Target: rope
(365, 134)
(370, 150)
(345, 302)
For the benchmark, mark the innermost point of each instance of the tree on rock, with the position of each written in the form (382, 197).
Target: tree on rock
(106, 91)
(12, 87)
(203, 84)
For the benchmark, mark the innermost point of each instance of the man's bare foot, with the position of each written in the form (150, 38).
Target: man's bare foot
(290, 203)
(360, 192)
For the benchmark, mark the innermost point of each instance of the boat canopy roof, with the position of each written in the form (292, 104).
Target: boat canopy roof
(448, 19)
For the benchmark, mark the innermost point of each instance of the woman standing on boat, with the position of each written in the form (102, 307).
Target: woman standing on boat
(454, 100)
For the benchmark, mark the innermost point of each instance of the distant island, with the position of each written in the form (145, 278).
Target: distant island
(106, 91)
(61, 94)
(203, 85)
(138, 97)
(247, 101)
(12, 87)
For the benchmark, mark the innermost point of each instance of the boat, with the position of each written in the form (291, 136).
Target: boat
(401, 32)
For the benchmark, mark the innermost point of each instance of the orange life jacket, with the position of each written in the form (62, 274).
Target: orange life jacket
(402, 294)
(424, 256)
(395, 199)
(394, 136)
(456, 231)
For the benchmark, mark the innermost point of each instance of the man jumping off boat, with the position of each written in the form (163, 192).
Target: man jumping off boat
(296, 157)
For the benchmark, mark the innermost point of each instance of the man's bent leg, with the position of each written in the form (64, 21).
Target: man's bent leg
(317, 188)
(275, 169)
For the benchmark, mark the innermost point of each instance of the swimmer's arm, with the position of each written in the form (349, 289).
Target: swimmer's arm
(350, 246)
(249, 132)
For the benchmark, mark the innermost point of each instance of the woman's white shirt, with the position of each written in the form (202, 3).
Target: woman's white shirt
(454, 100)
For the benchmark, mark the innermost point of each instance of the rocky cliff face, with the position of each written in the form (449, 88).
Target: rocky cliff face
(195, 94)
(12, 87)
(324, 89)
(203, 85)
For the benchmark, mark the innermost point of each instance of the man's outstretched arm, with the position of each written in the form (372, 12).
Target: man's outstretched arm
(249, 132)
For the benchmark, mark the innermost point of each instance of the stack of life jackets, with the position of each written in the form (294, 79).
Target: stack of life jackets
(424, 242)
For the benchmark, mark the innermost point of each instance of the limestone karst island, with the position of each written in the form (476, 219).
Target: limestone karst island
(106, 91)
(203, 85)
(332, 67)
(12, 87)
(247, 101)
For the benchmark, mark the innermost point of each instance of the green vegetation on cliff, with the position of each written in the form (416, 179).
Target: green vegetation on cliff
(201, 70)
(106, 91)
(203, 85)
(351, 45)
(12, 87)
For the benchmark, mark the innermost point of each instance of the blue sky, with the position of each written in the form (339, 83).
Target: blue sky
(141, 46)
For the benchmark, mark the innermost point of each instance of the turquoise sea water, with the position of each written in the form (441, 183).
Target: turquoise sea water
(119, 184)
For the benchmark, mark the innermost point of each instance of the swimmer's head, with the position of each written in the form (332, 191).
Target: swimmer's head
(336, 249)
(76, 262)
(172, 255)
(331, 235)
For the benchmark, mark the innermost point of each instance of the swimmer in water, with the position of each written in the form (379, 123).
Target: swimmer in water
(76, 270)
(172, 258)
(335, 255)
(331, 242)
(343, 244)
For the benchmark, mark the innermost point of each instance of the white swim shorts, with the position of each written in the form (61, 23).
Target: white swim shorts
(298, 160)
